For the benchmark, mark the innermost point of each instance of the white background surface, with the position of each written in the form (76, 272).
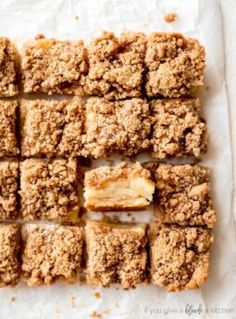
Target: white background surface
(228, 9)
(21, 20)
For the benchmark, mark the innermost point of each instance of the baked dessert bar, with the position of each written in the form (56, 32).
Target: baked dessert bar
(116, 65)
(175, 65)
(116, 254)
(9, 255)
(179, 256)
(49, 189)
(51, 252)
(8, 140)
(116, 127)
(54, 67)
(52, 128)
(178, 130)
(9, 175)
(183, 195)
(8, 68)
(123, 187)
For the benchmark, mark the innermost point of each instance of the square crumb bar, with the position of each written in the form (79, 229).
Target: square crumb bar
(54, 67)
(9, 175)
(49, 189)
(8, 69)
(123, 187)
(183, 195)
(9, 255)
(51, 252)
(52, 128)
(8, 140)
(116, 254)
(175, 65)
(116, 127)
(178, 130)
(116, 65)
(179, 256)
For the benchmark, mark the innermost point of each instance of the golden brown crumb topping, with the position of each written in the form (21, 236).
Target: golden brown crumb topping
(9, 173)
(9, 251)
(54, 67)
(178, 129)
(99, 177)
(8, 69)
(179, 256)
(49, 189)
(116, 65)
(8, 142)
(121, 127)
(52, 128)
(116, 254)
(184, 195)
(51, 252)
(175, 65)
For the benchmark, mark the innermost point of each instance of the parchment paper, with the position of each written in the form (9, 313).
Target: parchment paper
(68, 19)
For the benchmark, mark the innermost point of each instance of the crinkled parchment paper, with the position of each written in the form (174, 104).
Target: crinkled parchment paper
(68, 19)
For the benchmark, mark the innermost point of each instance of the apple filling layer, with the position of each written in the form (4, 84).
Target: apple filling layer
(126, 187)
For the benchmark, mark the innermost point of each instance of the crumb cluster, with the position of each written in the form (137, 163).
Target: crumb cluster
(116, 127)
(51, 252)
(54, 67)
(9, 174)
(177, 130)
(8, 140)
(175, 65)
(116, 254)
(179, 256)
(116, 65)
(52, 128)
(183, 195)
(8, 69)
(49, 189)
(9, 255)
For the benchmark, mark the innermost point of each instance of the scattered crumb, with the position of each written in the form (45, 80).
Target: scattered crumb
(95, 314)
(97, 295)
(73, 301)
(170, 17)
(13, 299)
(117, 305)
(207, 87)
(76, 17)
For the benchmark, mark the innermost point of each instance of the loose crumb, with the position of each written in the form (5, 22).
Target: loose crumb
(97, 294)
(96, 314)
(73, 302)
(13, 299)
(170, 17)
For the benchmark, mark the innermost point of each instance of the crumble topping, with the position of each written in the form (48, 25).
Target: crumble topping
(54, 67)
(9, 172)
(51, 252)
(49, 189)
(8, 69)
(179, 256)
(175, 65)
(183, 195)
(121, 127)
(8, 142)
(116, 254)
(52, 128)
(116, 65)
(178, 130)
(9, 251)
